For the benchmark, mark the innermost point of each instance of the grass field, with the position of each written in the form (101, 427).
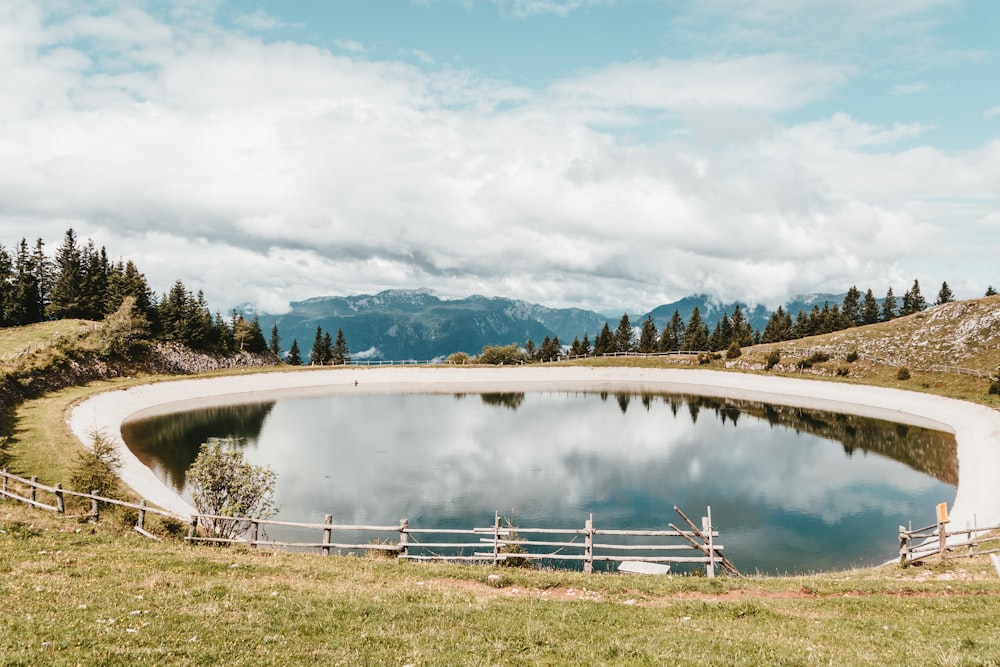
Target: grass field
(77, 593)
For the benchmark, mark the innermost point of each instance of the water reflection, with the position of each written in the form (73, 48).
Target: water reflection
(790, 489)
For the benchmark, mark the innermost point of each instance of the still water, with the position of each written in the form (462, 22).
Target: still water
(791, 490)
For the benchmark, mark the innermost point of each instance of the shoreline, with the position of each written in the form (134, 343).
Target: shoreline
(976, 428)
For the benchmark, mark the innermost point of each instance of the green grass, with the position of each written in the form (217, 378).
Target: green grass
(75, 593)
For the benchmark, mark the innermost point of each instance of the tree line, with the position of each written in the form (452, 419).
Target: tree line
(732, 331)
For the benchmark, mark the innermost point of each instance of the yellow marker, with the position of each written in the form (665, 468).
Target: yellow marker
(942, 512)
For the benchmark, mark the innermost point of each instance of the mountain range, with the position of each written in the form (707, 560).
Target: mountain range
(416, 325)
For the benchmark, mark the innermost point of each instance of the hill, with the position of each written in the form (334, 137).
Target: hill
(415, 324)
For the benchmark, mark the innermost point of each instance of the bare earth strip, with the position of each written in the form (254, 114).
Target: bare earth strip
(976, 428)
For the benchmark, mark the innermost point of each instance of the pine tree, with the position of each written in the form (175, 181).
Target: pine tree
(605, 342)
(274, 343)
(851, 308)
(585, 345)
(624, 336)
(673, 333)
(913, 301)
(649, 336)
(340, 354)
(990, 291)
(294, 357)
(574, 348)
(869, 310)
(6, 285)
(696, 333)
(945, 295)
(67, 299)
(529, 349)
(317, 357)
(889, 306)
(742, 333)
(778, 328)
(722, 335)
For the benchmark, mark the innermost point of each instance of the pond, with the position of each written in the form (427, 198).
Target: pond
(791, 490)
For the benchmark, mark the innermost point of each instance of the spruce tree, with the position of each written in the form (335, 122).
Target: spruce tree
(851, 308)
(695, 333)
(624, 336)
(340, 354)
(889, 306)
(778, 327)
(67, 299)
(605, 342)
(990, 291)
(274, 343)
(869, 310)
(742, 332)
(673, 333)
(294, 357)
(648, 337)
(945, 294)
(317, 357)
(913, 301)
(6, 285)
(585, 345)
(327, 348)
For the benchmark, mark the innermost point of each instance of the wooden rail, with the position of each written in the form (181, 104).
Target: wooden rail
(936, 541)
(497, 544)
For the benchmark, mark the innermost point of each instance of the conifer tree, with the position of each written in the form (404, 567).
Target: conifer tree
(673, 333)
(990, 291)
(529, 349)
(574, 348)
(6, 285)
(605, 342)
(851, 308)
(889, 306)
(340, 354)
(317, 357)
(913, 301)
(66, 299)
(696, 333)
(585, 345)
(945, 295)
(869, 310)
(274, 343)
(742, 333)
(649, 337)
(294, 356)
(778, 328)
(624, 336)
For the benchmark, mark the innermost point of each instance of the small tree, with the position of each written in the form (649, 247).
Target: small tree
(96, 468)
(990, 291)
(125, 330)
(889, 306)
(294, 357)
(649, 337)
(223, 485)
(945, 295)
(274, 343)
(624, 340)
(339, 354)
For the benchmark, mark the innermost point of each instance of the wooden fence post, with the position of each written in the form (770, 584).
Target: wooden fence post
(193, 526)
(496, 538)
(140, 523)
(95, 506)
(588, 546)
(706, 529)
(4, 487)
(327, 534)
(943, 540)
(404, 538)
(60, 500)
(33, 492)
(904, 547)
(254, 533)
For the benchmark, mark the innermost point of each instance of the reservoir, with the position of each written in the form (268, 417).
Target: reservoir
(791, 490)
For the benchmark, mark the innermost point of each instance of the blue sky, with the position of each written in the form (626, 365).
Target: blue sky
(606, 154)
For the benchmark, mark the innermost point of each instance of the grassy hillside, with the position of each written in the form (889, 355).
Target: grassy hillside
(80, 594)
(76, 593)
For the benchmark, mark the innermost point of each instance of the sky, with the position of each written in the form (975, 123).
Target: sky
(603, 154)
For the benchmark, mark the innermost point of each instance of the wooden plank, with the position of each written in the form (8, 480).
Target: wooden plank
(642, 567)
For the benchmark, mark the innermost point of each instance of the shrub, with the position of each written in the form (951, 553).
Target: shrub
(96, 468)
(225, 485)
(499, 355)
(458, 358)
(818, 357)
(903, 374)
(773, 358)
(734, 350)
(843, 371)
(852, 356)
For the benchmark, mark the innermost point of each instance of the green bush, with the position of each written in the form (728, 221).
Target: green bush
(773, 358)
(903, 374)
(852, 356)
(225, 485)
(458, 358)
(500, 355)
(96, 468)
(734, 350)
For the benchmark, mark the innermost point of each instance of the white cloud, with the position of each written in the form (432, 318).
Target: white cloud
(261, 21)
(268, 172)
(350, 45)
(992, 112)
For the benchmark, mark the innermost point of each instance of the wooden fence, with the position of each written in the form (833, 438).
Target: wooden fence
(936, 541)
(497, 544)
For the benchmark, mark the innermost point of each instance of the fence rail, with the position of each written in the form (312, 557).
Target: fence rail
(936, 541)
(496, 544)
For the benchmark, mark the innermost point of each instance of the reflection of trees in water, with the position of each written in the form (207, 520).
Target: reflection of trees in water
(511, 400)
(932, 452)
(171, 442)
